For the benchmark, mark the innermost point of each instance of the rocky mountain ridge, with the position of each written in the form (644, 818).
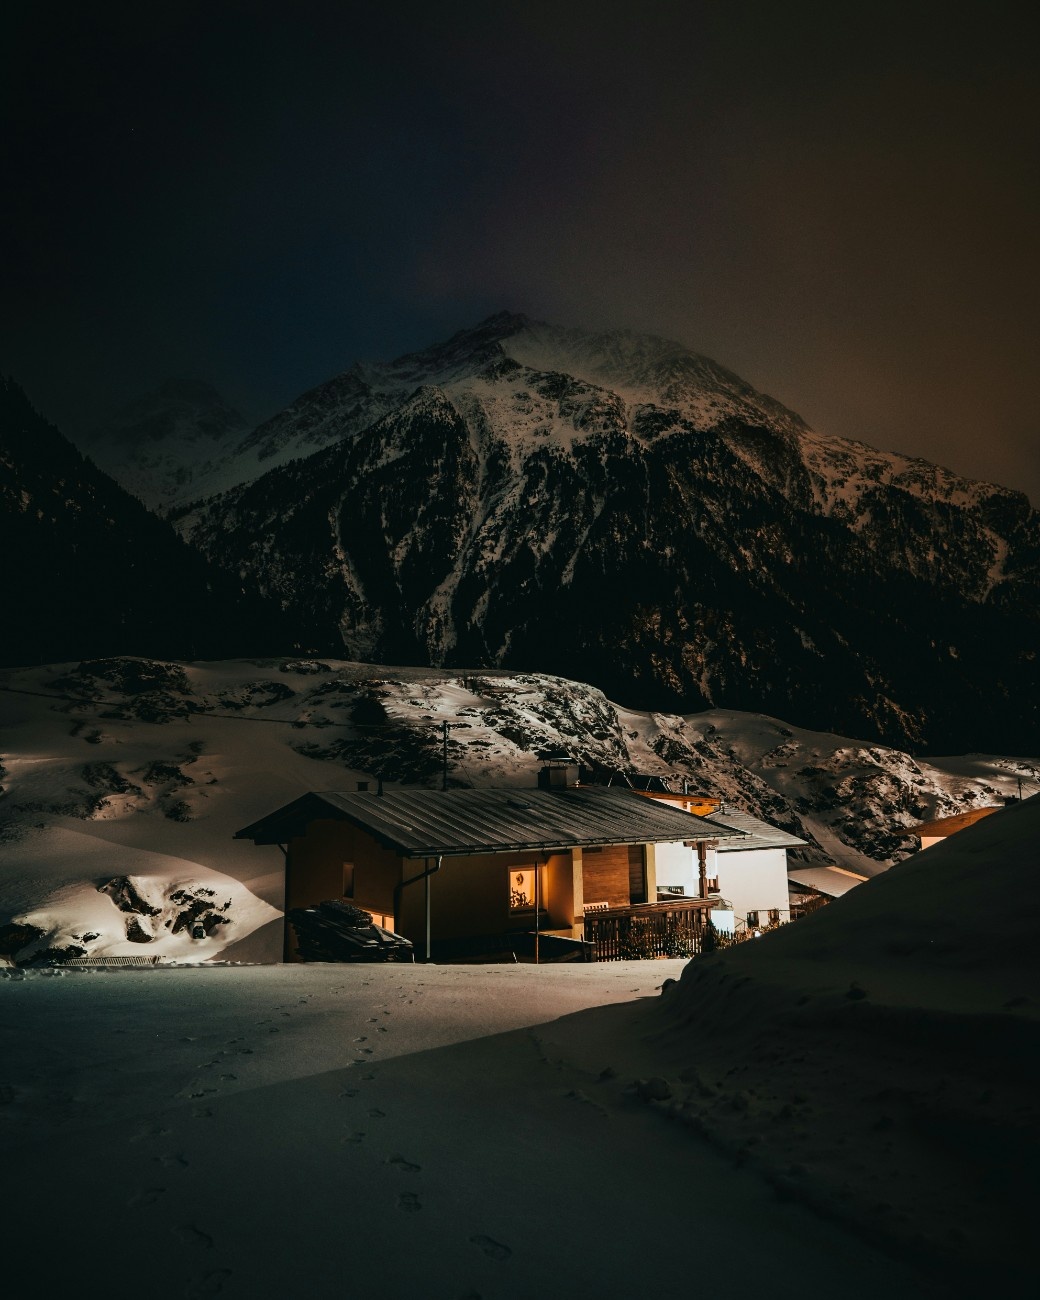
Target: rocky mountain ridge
(616, 508)
(159, 444)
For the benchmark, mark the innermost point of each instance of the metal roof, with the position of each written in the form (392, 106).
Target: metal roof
(757, 834)
(831, 881)
(944, 826)
(420, 823)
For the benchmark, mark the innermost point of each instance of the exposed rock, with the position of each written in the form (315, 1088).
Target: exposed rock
(136, 932)
(16, 935)
(123, 892)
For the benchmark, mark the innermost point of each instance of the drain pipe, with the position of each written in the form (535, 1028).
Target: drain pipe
(424, 875)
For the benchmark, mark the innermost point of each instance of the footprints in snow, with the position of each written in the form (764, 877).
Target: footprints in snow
(192, 1236)
(410, 1202)
(169, 1160)
(404, 1165)
(209, 1284)
(189, 1235)
(493, 1249)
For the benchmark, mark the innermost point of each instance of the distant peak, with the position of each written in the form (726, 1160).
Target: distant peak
(506, 322)
(502, 325)
(188, 388)
(474, 345)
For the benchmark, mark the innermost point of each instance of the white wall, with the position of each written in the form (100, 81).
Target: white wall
(754, 880)
(676, 867)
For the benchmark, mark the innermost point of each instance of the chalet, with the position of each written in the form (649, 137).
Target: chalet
(935, 832)
(452, 865)
(747, 870)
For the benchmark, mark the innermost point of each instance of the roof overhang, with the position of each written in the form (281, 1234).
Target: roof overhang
(422, 823)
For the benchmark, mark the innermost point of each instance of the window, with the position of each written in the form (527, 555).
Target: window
(521, 889)
(348, 880)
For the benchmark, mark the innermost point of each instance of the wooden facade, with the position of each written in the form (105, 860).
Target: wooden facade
(469, 895)
(463, 865)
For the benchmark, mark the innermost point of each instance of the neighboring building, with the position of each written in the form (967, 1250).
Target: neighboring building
(748, 871)
(752, 872)
(467, 864)
(935, 832)
(822, 882)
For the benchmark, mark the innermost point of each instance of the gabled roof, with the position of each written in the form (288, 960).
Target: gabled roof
(757, 834)
(944, 826)
(420, 823)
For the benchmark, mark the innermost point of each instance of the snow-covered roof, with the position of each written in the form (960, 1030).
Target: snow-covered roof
(944, 826)
(422, 823)
(832, 881)
(756, 834)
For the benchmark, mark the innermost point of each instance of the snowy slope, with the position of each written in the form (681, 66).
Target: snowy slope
(877, 1061)
(163, 444)
(144, 770)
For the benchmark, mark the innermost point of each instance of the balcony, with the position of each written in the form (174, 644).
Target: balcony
(647, 930)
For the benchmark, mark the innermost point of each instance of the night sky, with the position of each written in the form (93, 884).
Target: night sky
(838, 202)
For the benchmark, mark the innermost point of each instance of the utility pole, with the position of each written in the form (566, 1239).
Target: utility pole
(537, 905)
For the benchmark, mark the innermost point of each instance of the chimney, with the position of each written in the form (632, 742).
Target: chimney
(362, 787)
(559, 772)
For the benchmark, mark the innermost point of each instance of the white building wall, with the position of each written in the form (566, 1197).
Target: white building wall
(676, 867)
(754, 880)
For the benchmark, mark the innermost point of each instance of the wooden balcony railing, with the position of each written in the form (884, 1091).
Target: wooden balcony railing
(648, 930)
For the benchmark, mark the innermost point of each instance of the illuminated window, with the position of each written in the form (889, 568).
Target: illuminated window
(521, 889)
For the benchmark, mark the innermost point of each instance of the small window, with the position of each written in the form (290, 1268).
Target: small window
(521, 889)
(348, 880)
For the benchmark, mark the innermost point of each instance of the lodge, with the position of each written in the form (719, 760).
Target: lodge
(450, 867)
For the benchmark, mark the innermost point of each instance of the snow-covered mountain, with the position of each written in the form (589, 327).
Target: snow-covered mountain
(134, 774)
(88, 570)
(615, 508)
(164, 442)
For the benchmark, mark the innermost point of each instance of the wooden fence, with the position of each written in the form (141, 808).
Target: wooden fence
(648, 930)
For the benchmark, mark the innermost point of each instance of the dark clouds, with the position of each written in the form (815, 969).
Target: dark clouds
(839, 206)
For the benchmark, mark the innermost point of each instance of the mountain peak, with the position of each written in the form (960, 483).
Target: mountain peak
(463, 350)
